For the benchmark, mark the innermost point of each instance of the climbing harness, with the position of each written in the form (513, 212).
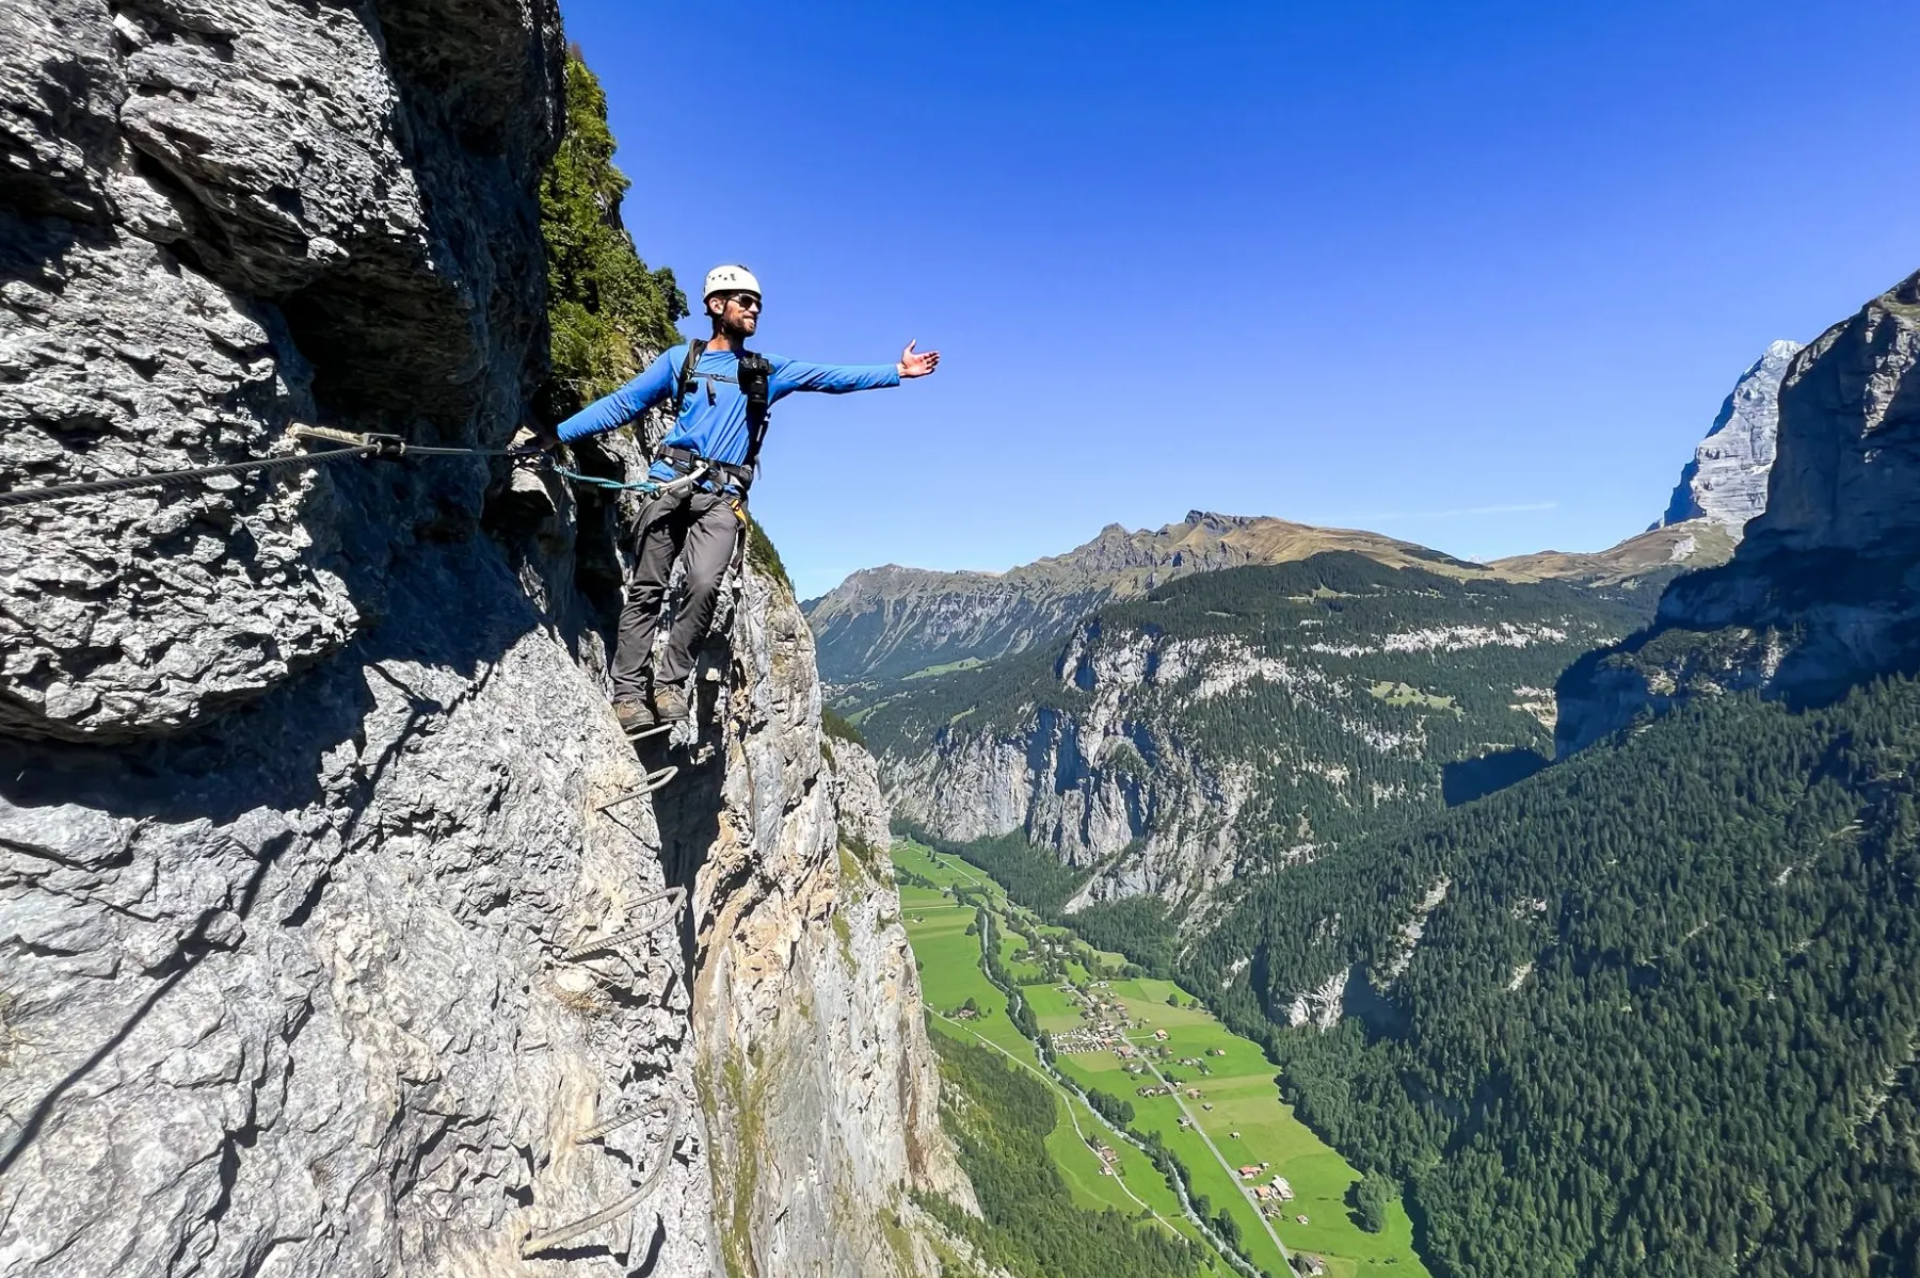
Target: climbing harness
(675, 896)
(351, 444)
(676, 1115)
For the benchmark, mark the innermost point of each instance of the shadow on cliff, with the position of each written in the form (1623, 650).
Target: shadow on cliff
(687, 813)
(188, 954)
(451, 612)
(1465, 780)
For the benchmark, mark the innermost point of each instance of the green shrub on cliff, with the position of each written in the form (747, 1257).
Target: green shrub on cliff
(607, 311)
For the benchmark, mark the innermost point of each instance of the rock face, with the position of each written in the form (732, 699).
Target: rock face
(304, 827)
(886, 623)
(1825, 589)
(1726, 482)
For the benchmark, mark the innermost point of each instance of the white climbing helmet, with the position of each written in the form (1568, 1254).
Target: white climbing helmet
(730, 279)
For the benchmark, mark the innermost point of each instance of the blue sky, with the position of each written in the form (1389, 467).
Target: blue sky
(1477, 275)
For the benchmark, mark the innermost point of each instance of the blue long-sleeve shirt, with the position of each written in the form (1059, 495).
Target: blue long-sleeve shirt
(713, 421)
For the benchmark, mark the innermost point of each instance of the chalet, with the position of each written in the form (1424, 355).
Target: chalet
(1303, 1220)
(1161, 1035)
(1262, 1192)
(1185, 1123)
(1236, 1136)
(1308, 1265)
(1281, 1188)
(1249, 1172)
(1193, 1093)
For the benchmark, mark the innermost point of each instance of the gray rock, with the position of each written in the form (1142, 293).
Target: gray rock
(1726, 482)
(304, 785)
(1825, 589)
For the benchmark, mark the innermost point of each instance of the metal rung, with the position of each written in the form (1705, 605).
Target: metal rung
(654, 781)
(676, 1111)
(678, 895)
(606, 1127)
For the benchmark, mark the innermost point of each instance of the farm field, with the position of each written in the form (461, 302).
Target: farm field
(1248, 1122)
(950, 974)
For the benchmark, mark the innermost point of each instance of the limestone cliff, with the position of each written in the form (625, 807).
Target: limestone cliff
(305, 837)
(1726, 482)
(1825, 589)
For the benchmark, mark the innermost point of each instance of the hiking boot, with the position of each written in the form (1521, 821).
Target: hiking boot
(634, 716)
(670, 703)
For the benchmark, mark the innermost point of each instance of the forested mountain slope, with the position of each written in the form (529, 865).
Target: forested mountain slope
(1238, 721)
(1653, 1011)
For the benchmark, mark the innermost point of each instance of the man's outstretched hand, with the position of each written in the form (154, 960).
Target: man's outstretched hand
(917, 363)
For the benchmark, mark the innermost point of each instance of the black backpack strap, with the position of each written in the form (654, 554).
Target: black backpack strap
(756, 380)
(684, 382)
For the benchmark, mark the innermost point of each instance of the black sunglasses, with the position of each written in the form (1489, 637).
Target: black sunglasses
(746, 300)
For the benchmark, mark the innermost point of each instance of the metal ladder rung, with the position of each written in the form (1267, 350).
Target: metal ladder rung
(654, 781)
(676, 1112)
(678, 895)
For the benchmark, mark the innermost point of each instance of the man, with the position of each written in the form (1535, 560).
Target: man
(724, 392)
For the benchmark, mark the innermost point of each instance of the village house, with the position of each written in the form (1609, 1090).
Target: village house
(1249, 1172)
(1160, 1034)
(1309, 1265)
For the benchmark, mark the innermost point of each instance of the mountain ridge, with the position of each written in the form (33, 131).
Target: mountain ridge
(892, 621)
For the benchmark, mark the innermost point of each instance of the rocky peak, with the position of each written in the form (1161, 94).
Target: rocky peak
(1825, 589)
(1726, 482)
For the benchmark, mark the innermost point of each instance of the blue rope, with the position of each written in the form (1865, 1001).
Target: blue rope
(644, 486)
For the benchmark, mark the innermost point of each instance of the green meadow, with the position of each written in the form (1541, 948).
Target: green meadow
(1248, 1123)
(950, 974)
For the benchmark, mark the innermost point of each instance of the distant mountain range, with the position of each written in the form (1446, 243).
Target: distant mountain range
(891, 622)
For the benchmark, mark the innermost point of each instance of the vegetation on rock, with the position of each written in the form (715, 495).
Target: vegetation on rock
(608, 313)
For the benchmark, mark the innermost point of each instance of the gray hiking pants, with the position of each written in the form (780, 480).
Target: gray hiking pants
(705, 528)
